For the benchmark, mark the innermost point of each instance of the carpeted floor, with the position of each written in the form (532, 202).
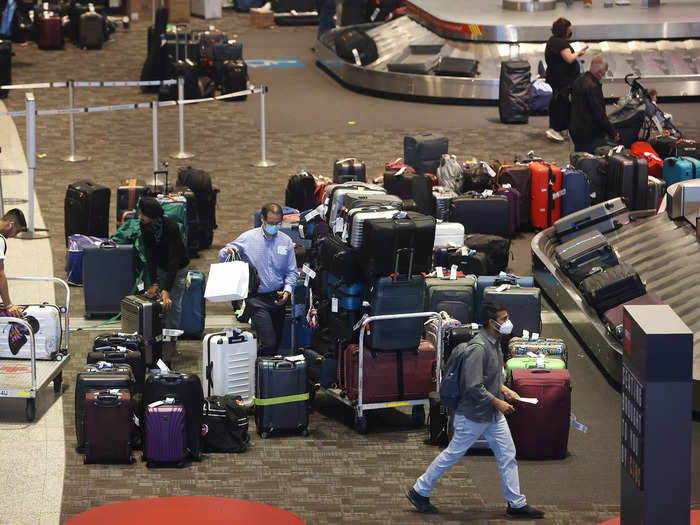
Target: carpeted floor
(335, 475)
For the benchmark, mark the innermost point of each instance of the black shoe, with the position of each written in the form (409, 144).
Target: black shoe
(524, 512)
(421, 503)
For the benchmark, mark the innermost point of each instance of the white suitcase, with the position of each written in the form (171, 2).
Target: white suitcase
(46, 319)
(448, 234)
(353, 230)
(228, 364)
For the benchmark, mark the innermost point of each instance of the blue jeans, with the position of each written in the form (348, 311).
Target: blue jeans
(172, 317)
(497, 434)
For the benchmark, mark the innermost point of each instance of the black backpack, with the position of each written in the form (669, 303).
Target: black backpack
(301, 192)
(225, 426)
(476, 177)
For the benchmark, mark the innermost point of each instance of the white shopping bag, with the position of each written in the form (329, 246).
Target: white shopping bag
(228, 281)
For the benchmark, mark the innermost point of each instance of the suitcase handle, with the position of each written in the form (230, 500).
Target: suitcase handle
(110, 245)
(540, 371)
(105, 398)
(284, 364)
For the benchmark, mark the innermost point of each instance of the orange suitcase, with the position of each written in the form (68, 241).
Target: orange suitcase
(546, 194)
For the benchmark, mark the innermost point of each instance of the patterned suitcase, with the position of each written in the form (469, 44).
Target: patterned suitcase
(519, 347)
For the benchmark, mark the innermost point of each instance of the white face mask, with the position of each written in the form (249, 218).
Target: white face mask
(505, 328)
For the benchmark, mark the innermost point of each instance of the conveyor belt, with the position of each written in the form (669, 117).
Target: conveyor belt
(666, 255)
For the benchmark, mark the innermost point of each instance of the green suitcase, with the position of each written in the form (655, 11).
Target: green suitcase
(550, 363)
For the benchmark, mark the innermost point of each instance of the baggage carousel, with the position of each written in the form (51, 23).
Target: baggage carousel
(666, 255)
(658, 44)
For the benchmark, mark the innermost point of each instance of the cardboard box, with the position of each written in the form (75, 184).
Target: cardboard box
(179, 11)
(261, 18)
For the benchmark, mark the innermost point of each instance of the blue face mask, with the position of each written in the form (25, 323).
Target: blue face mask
(272, 229)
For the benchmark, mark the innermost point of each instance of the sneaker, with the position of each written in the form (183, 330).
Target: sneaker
(554, 136)
(524, 512)
(421, 503)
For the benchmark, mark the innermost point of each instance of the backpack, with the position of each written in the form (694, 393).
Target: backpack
(451, 385)
(301, 192)
(477, 176)
(449, 173)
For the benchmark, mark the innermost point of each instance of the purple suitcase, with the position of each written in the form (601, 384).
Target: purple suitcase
(613, 317)
(108, 426)
(166, 439)
(513, 203)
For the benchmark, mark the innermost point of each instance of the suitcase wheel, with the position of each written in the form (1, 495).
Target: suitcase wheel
(418, 416)
(31, 409)
(58, 382)
(149, 464)
(304, 431)
(360, 424)
(264, 434)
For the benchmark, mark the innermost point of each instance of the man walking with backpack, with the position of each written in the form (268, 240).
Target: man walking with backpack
(480, 402)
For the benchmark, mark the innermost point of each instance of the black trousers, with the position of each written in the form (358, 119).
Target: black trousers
(588, 143)
(268, 319)
(560, 109)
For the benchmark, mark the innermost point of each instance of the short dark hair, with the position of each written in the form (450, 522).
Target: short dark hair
(560, 27)
(16, 215)
(150, 207)
(271, 207)
(490, 310)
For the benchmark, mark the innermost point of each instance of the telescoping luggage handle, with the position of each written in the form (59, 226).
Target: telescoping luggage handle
(164, 172)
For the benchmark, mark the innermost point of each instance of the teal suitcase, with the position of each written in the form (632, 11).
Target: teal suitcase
(678, 169)
(193, 308)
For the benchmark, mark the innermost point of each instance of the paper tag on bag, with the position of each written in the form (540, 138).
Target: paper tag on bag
(453, 272)
(334, 305)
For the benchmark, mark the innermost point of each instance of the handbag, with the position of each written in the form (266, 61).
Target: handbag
(228, 281)
(225, 427)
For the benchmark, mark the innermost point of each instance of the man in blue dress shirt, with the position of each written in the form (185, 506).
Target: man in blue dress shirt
(272, 254)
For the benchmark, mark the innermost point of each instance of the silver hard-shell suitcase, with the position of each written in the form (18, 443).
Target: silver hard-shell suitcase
(143, 316)
(604, 217)
(354, 227)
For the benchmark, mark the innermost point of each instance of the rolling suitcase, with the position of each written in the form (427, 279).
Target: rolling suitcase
(514, 199)
(334, 198)
(464, 260)
(679, 169)
(514, 92)
(496, 249)
(454, 296)
(604, 217)
(627, 178)
(384, 239)
(583, 254)
(92, 30)
(301, 191)
(613, 317)
(354, 222)
(644, 150)
(108, 426)
(118, 355)
(74, 257)
(438, 418)
(234, 78)
(457, 67)
(480, 214)
(523, 304)
(228, 364)
(281, 395)
(128, 195)
(519, 177)
(322, 370)
(86, 209)
(542, 362)
(656, 191)
(115, 377)
(187, 390)
(477, 176)
(596, 168)
(355, 200)
(612, 287)
(143, 316)
(45, 320)
(5, 66)
(108, 276)
(50, 31)
(397, 179)
(165, 433)
(519, 347)
(346, 170)
(541, 431)
(423, 151)
(546, 194)
(222, 52)
(484, 281)
(442, 199)
(199, 181)
(448, 234)
(414, 64)
(340, 259)
(341, 323)
(193, 306)
(577, 191)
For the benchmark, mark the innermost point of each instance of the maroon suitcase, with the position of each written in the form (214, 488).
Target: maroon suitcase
(380, 371)
(108, 426)
(613, 317)
(50, 32)
(520, 178)
(513, 197)
(541, 431)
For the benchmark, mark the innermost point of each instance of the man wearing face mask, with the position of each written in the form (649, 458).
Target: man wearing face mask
(272, 254)
(485, 400)
(166, 257)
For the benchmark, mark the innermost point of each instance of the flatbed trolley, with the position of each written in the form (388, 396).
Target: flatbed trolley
(23, 378)
(417, 405)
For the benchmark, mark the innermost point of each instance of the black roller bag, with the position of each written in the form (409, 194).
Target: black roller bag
(117, 356)
(628, 178)
(301, 191)
(199, 181)
(234, 78)
(612, 287)
(340, 259)
(495, 247)
(355, 41)
(596, 168)
(457, 67)
(514, 92)
(584, 255)
(340, 324)
(479, 214)
(281, 401)
(438, 420)
(86, 209)
(346, 170)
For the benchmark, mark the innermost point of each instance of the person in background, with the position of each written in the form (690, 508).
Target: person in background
(590, 126)
(485, 400)
(271, 252)
(12, 223)
(653, 94)
(562, 70)
(326, 16)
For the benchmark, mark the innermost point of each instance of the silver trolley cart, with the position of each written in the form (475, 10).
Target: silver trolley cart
(417, 405)
(20, 378)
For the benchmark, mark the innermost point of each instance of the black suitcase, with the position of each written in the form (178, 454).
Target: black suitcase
(457, 67)
(5, 66)
(414, 64)
(469, 262)
(438, 418)
(514, 92)
(346, 170)
(612, 287)
(234, 78)
(340, 259)
(604, 217)
(117, 356)
(281, 396)
(301, 192)
(628, 178)
(92, 378)
(321, 369)
(479, 214)
(199, 181)
(523, 304)
(133, 342)
(496, 249)
(187, 390)
(192, 219)
(584, 254)
(664, 146)
(351, 41)
(454, 296)
(86, 209)
(423, 151)
(92, 30)
(596, 168)
(354, 12)
(655, 192)
(143, 316)
(108, 275)
(459, 335)
(384, 239)
(341, 324)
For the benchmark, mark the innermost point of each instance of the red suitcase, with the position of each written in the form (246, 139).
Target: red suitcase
(546, 194)
(541, 431)
(655, 164)
(108, 426)
(380, 373)
(50, 31)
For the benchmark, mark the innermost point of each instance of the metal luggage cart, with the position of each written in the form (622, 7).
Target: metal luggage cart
(417, 405)
(23, 379)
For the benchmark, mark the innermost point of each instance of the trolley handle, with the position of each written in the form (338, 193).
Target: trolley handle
(32, 347)
(66, 308)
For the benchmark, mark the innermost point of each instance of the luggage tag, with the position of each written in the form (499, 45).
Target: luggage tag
(503, 288)
(334, 305)
(535, 336)
(489, 169)
(103, 365)
(526, 335)
(453, 272)
(540, 361)
(339, 225)
(578, 426)
(162, 366)
(156, 404)
(532, 354)
(487, 193)
(122, 349)
(506, 186)
(299, 358)
(439, 272)
(312, 318)
(169, 400)
(559, 193)
(308, 274)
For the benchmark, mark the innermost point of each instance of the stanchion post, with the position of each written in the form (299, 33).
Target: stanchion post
(182, 154)
(71, 119)
(30, 107)
(154, 105)
(263, 162)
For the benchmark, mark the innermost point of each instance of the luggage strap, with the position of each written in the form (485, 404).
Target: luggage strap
(399, 373)
(280, 400)
(132, 193)
(550, 195)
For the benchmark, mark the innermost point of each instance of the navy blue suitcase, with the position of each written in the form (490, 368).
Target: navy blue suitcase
(483, 281)
(577, 189)
(321, 369)
(423, 152)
